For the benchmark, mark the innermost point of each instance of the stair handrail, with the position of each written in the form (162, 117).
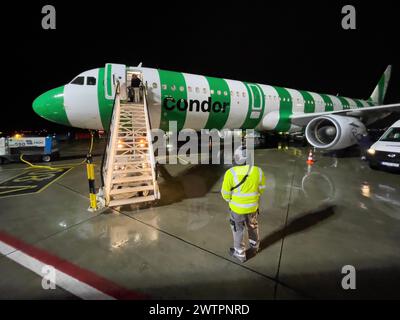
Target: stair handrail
(104, 158)
(150, 143)
(113, 128)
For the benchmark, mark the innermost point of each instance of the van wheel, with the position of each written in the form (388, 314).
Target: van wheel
(373, 166)
(46, 158)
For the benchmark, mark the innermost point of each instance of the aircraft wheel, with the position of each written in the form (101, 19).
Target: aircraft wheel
(46, 158)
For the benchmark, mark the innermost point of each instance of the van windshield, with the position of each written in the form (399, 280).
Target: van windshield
(392, 135)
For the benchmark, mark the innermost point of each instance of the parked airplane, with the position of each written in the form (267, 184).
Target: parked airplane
(197, 102)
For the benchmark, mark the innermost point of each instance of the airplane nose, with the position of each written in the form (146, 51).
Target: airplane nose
(50, 105)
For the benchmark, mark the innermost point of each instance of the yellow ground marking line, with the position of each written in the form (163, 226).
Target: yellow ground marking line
(36, 192)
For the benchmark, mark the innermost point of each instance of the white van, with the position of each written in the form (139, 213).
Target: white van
(385, 153)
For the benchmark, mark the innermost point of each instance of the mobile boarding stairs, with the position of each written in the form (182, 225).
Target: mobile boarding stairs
(128, 168)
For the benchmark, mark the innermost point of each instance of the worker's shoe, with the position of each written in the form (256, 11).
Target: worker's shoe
(252, 252)
(233, 253)
(254, 249)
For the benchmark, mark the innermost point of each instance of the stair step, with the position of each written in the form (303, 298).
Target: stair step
(121, 202)
(131, 189)
(132, 106)
(130, 138)
(135, 128)
(132, 179)
(119, 156)
(132, 149)
(132, 163)
(132, 170)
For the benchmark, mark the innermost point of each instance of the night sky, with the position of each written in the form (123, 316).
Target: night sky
(297, 45)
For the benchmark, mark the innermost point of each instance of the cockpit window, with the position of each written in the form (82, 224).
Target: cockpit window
(78, 80)
(91, 81)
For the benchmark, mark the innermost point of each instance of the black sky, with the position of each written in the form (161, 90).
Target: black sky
(294, 44)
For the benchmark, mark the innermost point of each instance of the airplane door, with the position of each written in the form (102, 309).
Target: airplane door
(113, 74)
(256, 101)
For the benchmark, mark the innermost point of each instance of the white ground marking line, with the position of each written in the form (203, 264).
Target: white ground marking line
(63, 280)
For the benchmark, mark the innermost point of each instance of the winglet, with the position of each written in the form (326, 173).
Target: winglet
(380, 90)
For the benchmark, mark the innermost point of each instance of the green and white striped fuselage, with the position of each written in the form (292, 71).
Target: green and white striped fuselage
(193, 101)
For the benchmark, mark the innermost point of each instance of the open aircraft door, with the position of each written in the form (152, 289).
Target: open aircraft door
(115, 73)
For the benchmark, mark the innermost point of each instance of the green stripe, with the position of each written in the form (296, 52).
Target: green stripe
(105, 105)
(358, 103)
(247, 123)
(381, 89)
(218, 116)
(285, 110)
(328, 102)
(345, 103)
(256, 104)
(170, 79)
(109, 85)
(308, 98)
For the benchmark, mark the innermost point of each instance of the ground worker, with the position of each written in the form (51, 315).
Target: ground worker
(242, 186)
(365, 143)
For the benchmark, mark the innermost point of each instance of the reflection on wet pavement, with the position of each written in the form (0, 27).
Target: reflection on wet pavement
(313, 221)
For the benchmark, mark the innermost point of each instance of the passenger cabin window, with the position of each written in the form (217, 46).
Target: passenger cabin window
(154, 85)
(91, 81)
(79, 81)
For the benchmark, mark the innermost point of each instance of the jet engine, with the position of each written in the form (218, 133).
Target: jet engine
(333, 132)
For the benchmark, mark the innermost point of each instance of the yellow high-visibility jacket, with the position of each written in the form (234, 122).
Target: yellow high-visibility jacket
(245, 198)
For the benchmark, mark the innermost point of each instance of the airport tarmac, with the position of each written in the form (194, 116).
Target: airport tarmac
(314, 220)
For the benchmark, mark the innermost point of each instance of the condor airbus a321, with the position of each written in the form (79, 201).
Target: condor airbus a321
(202, 102)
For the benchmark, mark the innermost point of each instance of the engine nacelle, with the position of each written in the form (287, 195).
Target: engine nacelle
(334, 132)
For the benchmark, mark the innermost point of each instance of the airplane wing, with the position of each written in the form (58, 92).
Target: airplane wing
(367, 113)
